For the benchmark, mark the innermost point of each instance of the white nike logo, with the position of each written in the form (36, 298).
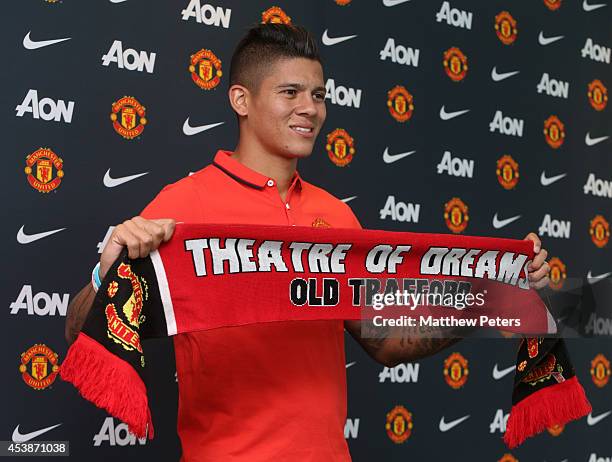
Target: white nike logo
(390, 158)
(597, 277)
(327, 40)
(189, 130)
(497, 223)
(594, 6)
(548, 40)
(595, 420)
(446, 426)
(497, 77)
(348, 199)
(593, 141)
(551, 179)
(451, 115)
(497, 374)
(394, 2)
(23, 437)
(24, 238)
(112, 182)
(30, 44)
(350, 364)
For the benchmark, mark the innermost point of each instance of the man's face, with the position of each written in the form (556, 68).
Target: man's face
(287, 112)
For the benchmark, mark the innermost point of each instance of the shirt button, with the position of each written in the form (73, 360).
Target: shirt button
(287, 205)
(270, 183)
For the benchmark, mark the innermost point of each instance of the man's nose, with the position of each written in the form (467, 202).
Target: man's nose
(306, 105)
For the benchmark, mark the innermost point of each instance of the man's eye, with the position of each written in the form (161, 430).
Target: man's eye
(290, 92)
(320, 96)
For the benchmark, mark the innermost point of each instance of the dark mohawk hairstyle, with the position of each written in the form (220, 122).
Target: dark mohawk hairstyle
(263, 45)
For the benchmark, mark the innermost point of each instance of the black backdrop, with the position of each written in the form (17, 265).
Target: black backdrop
(508, 73)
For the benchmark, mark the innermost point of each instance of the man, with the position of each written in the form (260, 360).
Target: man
(289, 400)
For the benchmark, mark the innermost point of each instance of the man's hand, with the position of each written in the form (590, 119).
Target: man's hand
(538, 269)
(139, 235)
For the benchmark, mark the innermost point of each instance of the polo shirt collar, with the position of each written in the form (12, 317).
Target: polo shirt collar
(244, 174)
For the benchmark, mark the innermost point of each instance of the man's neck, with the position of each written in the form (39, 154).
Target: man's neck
(279, 168)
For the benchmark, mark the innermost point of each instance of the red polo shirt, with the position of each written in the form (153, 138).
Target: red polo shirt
(264, 392)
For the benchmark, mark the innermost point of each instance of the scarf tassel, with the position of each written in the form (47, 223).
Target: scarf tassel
(554, 405)
(108, 382)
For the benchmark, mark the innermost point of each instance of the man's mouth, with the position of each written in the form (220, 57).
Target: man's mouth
(302, 130)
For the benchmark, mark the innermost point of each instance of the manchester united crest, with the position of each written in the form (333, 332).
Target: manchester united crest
(276, 15)
(555, 430)
(533, 345)
(340, 147)
(558, 273)
(599, 229)
(554, 132)
(39, 366)
(44, 170)
(320, 223)
(455, 64)
(598, 95)
(553, 5)
(205, 69)
(342, 2)
(400, 104)
(456, 215)
(508, 458)
(507, 172)
(546, 369)
(128, 117)
(505, 28)
(600, 370)
(399, 424)
(456, 370)
(123, 324)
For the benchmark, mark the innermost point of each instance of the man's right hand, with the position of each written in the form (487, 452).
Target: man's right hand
(139, 235)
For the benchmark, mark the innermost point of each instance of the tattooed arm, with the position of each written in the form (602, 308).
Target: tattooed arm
(393, 345)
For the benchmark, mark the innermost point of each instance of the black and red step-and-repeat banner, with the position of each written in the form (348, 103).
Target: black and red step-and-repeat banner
(484, 118)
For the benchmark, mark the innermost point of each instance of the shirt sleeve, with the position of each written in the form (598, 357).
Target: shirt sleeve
(178, 201)
(354, 222)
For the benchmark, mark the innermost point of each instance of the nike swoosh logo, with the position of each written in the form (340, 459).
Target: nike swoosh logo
(451, 115)
(595, 420)
(189, 130)
(327, 40)
(497, 223)
(548, 40)
(498, 77)
(593, 141)
(24, 238)
(446, 426)
(23, 437)
(394, 2)
(597, 277)
(390, 158)
(497, 374)
(112, 182)
(350, 364)
(348, 199)
(551, 179)
(594, 6)
(30, 44)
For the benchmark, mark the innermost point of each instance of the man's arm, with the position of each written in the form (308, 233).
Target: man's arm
(393, 345)
(77, 312)
(140, 236)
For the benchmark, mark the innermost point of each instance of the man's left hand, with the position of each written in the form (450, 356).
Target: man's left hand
(538, 269)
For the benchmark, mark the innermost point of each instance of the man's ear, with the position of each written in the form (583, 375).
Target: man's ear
(239, 99)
